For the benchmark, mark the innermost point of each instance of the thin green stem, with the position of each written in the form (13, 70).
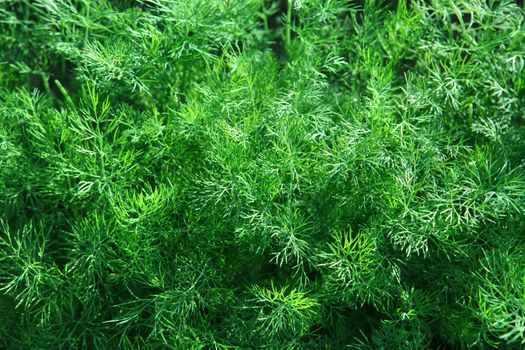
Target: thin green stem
(289, 23)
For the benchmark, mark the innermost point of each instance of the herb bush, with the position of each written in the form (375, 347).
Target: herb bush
(250, 174)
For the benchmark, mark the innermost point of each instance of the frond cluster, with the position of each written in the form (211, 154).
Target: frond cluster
(262, 174)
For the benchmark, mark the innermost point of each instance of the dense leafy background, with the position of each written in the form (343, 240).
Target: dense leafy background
(248, 174)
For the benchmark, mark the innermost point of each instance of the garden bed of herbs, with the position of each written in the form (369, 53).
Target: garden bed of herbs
(262, 174)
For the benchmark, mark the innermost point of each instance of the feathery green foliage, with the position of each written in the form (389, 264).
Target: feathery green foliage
(262, 174)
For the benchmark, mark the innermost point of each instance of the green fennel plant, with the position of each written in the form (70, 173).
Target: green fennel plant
(262, 174)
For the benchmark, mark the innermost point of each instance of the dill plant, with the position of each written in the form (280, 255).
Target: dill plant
(299, 174)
